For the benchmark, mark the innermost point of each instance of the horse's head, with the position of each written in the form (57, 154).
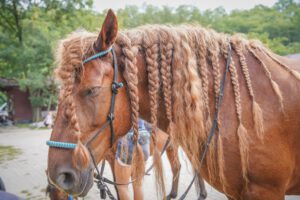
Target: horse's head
(87, 97)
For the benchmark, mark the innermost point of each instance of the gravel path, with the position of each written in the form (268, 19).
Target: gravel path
(25, 174)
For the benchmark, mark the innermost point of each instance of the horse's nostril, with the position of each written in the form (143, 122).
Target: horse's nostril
(66, 180)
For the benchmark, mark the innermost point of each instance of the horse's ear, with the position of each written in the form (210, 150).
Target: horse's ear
(108, 33)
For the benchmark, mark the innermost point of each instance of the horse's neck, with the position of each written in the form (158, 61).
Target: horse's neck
(144, 98)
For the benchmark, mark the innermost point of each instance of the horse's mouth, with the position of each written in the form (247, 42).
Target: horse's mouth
(87, 181)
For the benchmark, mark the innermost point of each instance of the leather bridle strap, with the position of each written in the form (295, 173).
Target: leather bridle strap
(111, 116)
(215, 122)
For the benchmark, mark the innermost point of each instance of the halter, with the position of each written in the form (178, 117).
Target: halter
(110, 118)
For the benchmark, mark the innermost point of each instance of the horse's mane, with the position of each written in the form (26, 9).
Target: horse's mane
(179, 61)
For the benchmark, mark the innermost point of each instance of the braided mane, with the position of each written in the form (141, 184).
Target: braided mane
(184, 64)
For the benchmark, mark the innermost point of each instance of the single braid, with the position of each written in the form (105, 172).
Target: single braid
(152, 51)
(166, 49)
(294, 73)
(274, 85)
(131, 76)
(213, 56)
(256, 110)
(236, 90)
(69, 68)
(67, 95)
(201, 54)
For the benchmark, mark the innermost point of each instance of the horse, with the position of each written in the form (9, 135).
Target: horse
(122, 174)
(171, 77)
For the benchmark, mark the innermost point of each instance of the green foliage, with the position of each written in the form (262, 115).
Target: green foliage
(30, 30)
(26, 46)
(9, 153)
(3, 98)
(278, 26)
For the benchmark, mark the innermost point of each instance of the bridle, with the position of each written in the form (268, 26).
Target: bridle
(115, 86)
(110, 117)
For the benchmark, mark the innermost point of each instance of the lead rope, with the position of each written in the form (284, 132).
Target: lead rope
(215, 122)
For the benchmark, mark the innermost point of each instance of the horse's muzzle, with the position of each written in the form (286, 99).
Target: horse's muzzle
(74, 182)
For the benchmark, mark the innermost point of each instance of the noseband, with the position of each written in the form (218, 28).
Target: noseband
(110, 118)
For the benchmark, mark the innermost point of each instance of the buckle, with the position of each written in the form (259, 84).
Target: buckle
(110, 117)
(115, 86)
(101, 187)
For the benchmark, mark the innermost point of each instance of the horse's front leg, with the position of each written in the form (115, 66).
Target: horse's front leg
(122, 175)
(172, 153)
(138, 191)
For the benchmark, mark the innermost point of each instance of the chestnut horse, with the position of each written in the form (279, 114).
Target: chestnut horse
(172, 78)
(123, 173)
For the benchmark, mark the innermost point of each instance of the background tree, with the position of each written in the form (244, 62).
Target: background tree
(29, 31)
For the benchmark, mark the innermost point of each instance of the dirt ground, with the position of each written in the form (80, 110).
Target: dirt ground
(23, 160)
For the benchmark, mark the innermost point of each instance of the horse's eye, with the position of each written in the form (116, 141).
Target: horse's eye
(92, 92)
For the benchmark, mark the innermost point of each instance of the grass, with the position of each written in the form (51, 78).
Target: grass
(22, 125)
(29, 196)
(8, 153)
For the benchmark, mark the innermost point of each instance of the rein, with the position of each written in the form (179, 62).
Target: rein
(215, 122)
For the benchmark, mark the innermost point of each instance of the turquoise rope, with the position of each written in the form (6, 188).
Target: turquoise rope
(102, 53)
(63, 145)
